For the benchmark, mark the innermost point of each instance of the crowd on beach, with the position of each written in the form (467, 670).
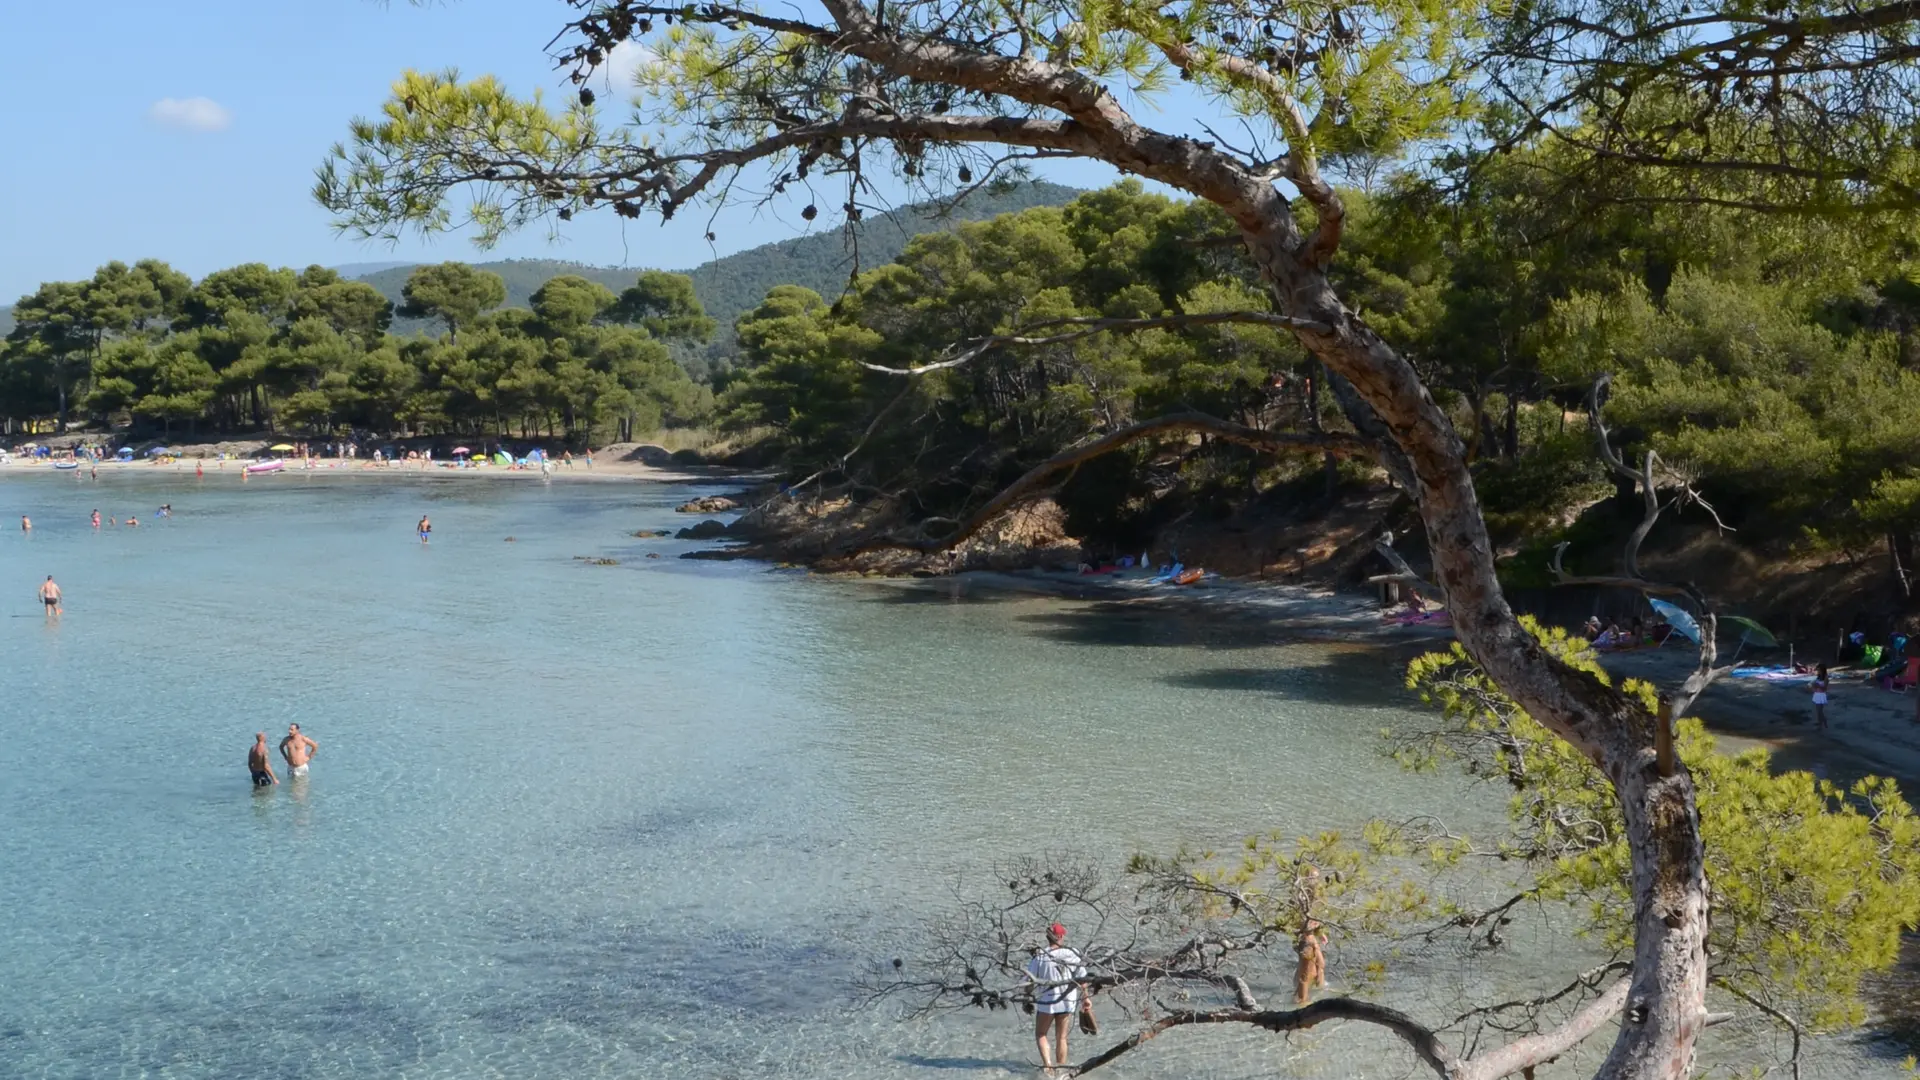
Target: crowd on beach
(310, 455)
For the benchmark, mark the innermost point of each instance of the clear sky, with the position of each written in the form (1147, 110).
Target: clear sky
(188, 130)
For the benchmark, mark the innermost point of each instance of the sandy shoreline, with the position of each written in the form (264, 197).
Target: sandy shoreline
(1871, 731)
(233, 470)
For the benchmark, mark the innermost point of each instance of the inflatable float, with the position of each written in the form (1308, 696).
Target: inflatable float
(266, 466)
(66, 464)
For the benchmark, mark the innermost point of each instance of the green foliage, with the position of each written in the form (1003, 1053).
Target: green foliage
(1740, 384)
(452, 292)
(731, 285)
(666, 306)
(1812, 884)
(806, 367)
(258, 346)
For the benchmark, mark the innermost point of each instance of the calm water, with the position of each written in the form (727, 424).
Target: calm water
(584, 821)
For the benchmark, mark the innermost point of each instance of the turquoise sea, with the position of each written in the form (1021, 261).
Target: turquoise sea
(573, 821)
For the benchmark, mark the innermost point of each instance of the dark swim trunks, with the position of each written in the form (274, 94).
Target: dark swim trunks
(261, 779)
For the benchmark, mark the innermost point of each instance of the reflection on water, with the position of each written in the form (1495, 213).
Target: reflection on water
(580, 821)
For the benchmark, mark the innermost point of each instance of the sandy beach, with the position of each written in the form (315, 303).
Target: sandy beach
(622, 462)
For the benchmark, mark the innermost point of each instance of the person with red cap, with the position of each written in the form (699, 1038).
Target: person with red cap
(1057, 975)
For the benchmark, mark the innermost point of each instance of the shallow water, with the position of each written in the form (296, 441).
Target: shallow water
(567, 820)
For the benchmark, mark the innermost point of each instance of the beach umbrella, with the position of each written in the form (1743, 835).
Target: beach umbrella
(278, 447)
(1677, 618)
(158, 450)
(461, 450)
(1751, 632)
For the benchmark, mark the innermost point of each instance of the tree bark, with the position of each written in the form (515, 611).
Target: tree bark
(1666, 1000)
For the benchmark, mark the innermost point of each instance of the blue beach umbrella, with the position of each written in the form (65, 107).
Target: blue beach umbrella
(158, 450)
(1678, 618)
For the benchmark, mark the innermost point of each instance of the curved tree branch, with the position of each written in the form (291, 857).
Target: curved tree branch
(1274, 442)
(1646, 479)
(1424, 1041)
(972, 350)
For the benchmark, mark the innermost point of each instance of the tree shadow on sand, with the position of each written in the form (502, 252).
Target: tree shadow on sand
(1352, 676)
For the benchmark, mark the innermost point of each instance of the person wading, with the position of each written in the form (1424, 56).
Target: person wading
(260, 761)
(1057, 974)
(50, 597)
(297, 749)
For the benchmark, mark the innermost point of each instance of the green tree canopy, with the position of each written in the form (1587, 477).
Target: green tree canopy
(452, 292)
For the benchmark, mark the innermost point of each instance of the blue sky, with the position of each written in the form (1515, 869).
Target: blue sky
(188, 131)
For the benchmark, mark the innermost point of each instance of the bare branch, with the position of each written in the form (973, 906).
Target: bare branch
(1792, 1025)
(1425, 1043)
(1647, 479)
(1090, 326)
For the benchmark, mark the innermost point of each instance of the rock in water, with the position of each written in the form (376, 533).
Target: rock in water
(711, 504)
(706, 530)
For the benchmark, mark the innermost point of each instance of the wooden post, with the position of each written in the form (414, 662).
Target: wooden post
(1663, 737)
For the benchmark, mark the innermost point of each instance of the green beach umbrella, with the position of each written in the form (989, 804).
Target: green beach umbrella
(1751, 632)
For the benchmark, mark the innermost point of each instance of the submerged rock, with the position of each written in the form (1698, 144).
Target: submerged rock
(711, 504)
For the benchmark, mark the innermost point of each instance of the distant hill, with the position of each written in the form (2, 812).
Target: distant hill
(361, 269)
(731, 285)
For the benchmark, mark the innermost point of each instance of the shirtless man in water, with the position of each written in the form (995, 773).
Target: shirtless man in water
(50, 597)
(297, 749)
(260, 761)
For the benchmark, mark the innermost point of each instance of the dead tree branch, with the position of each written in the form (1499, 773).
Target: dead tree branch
(1647, 480)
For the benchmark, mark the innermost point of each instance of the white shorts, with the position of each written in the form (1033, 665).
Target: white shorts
(297, 770)
(1064, 1007)
(1819, 699)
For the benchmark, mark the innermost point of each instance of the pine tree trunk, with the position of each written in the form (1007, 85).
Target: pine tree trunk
(1667, 999)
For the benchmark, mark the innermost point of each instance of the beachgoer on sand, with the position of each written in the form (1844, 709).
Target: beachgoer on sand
(260, 761)
(1058, 976)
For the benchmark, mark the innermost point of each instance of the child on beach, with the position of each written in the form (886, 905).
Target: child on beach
(1820, 697)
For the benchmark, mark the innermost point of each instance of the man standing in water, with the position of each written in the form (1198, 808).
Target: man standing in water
(260, 761)
(425, 528)
(297, 749)
(50, 597)
(1056, 973)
